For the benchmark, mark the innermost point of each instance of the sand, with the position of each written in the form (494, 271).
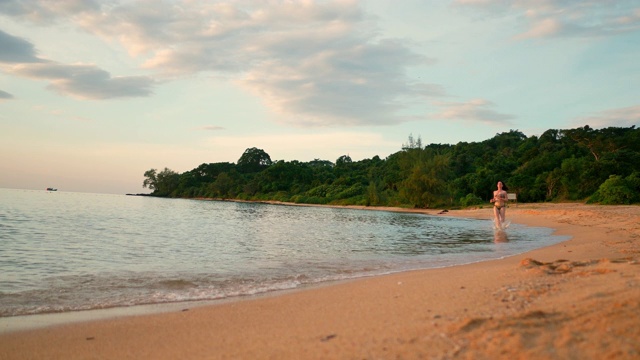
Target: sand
(579, 299)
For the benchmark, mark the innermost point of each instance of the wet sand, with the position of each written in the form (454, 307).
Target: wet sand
(577, 299)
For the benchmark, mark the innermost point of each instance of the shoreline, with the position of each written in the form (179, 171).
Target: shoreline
(547, 305)
(24, 322)
(46, 319)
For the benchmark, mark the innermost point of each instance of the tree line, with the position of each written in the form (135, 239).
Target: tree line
(582, 164)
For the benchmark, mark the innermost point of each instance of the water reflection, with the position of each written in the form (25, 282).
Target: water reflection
(250, 211)
(500, 236)
(411, 234)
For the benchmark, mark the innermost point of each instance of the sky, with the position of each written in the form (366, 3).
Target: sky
(94, 93)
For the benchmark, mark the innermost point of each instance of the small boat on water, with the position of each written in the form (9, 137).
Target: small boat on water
(51, 189)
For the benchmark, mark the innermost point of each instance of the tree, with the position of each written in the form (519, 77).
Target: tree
(557, 165)
(209, 172)
(162, 183)
(373, 194)
(151, 179)
(552, 179)
(412, 143)
(599, 142)
(321, 172)
(343, 167)
(343, 160)
(523, 185)
(426, 185)
(222, 186)
(254, 160)
(285, 176)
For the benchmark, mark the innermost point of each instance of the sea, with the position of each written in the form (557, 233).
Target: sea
(67, 251)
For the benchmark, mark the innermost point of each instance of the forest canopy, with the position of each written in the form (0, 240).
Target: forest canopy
(582, 164)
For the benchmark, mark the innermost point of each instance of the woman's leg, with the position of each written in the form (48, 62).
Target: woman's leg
(503, 214)
(496, 213)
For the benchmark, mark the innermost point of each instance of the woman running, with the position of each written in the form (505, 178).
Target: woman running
(499, 201)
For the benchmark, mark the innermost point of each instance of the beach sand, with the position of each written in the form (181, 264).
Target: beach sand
(579, 299)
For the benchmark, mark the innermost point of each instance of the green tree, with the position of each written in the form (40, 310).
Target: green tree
(523, 185)
(614, 191)
(222, 186)
(254, 160)
(163, 183)
(374, 197)
(571, 164)
(426, 185)
(151, 179)
(599, 142)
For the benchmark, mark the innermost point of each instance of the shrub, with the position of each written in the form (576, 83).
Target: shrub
(470, 200)
(313, 200)
(615, 191)
(319, 191)
(281, 196)
(352, 191)
(633, 182)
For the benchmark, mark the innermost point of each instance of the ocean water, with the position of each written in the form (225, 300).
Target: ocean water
(62, 251)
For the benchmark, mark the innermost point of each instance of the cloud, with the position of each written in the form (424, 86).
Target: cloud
(81, 81)
(629, 18)
(5, 95)
(16, 50)
(85, 81)
(621, 117)
(45, 11)
(313, 63)
(543, 28)
(351, 85)
(477, 110)
(565, 18)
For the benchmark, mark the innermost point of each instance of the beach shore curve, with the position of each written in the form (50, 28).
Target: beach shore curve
(576, 299)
